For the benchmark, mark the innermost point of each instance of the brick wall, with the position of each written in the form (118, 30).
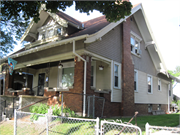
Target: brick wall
(127, 108)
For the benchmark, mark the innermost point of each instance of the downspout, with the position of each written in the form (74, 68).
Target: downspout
(84, 100)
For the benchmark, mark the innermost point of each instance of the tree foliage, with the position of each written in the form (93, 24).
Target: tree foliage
(15, 15)
(176, 72)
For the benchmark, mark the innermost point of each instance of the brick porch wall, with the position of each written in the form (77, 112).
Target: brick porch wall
(127, 108)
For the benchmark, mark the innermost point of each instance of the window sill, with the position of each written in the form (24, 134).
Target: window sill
(149, 93)
(136, 55)
(57, 89)
(117, 88)
(102, 91)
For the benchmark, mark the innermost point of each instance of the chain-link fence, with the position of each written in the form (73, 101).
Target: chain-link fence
(114, 128)
(43, 124)
(159, 130)
(95, 106)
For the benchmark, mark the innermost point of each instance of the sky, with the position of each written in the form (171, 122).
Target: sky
(164, 19)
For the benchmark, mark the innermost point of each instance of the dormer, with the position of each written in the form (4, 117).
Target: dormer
(51, 27)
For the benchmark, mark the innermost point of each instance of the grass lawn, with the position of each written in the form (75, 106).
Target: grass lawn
(6, 128)
(169, 120)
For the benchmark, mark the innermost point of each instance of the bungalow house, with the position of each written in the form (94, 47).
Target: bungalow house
(120, 62)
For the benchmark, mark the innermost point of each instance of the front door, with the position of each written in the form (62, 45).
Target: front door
(41, 84)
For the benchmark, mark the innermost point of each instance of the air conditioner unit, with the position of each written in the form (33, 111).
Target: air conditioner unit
(139, 52)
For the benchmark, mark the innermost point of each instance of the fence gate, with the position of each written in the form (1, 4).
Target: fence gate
(159, 130)
(95, 106)
(113, 128)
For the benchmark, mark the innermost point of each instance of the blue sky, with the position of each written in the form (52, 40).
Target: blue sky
(164, 19)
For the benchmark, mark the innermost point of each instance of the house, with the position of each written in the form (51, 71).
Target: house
(119, 62)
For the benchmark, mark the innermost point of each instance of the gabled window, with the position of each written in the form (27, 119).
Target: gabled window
(117, 75)
(159, 84)
(49, 30)
(135, 43)
(135, 80)
(149, 83)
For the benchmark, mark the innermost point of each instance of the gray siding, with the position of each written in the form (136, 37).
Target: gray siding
(144, 63)
(110, 46)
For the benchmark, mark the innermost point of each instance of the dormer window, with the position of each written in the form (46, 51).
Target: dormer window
(49, 30)
(58, 31)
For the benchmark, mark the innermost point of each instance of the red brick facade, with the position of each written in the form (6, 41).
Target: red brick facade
(127, 108)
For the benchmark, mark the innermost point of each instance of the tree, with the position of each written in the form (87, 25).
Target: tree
(15, 15)
(175, 73)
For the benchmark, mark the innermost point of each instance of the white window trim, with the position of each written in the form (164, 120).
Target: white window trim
(151, 84)
(136, 80)
(93, 63)
(160, 84)
(138, 39)
(59, 77)
(119, 75)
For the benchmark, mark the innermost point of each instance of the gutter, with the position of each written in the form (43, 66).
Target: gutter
(85, 65)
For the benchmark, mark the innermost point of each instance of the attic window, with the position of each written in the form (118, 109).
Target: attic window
(135, 43)
(48, 31)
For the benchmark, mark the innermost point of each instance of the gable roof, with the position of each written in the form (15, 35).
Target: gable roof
(96, 28)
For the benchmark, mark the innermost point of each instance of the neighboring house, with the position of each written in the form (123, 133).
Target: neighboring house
(119, 61)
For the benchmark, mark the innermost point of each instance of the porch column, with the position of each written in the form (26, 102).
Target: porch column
(8, 82)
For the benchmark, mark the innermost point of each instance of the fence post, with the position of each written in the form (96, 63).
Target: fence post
(15, 122)
(47, 126)
(97, 126)
(147, 128)
(93, 106)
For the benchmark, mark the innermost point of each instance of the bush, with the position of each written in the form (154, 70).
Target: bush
(43, 109)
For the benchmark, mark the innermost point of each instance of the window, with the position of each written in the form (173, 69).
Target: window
(159, 84)
(93, 74)
(117, 75)
(135, 43)
(169, 88)
(49, 30)
(159, 107)
(135, 80)
(50, 33)
(149, 107)
(58, 31)
(149, 82)
(66, 76)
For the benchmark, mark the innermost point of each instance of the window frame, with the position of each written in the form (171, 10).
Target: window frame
(137, 39)
(119, 75)
(136, 71)
(93, 64)
(151, 84)
(159, 84)
(60, 73)
(45, 30)
(149, 108)
(169, 90)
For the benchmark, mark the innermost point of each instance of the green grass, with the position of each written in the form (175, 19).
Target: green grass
(7, 128)
(169, 120)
